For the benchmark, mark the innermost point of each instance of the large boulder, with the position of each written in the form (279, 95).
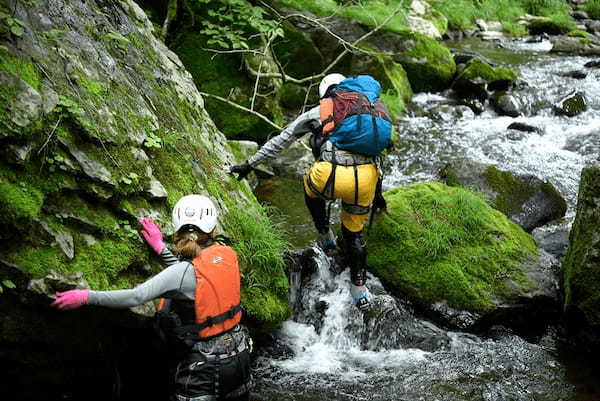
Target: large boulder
(100, 124)
(477, 78)
(456, 257)
(525, 199)
(582, 263)
(428, 64)
(578, 46)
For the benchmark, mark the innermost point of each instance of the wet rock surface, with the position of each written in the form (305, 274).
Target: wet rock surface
(362, 357)
(527, 200)
(582, 263)
(572, 104)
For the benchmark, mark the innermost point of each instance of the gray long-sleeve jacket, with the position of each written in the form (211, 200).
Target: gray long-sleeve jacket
(178, 280)
(282, 141)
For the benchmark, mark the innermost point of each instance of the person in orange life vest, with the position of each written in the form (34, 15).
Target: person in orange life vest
(336, 174)
(200, 309)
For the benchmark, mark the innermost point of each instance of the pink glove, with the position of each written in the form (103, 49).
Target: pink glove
(72, 299)
(152, 235)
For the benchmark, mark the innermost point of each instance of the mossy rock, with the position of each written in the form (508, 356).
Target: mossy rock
(582, 262)
(478, 77)
(298, 53)
(429, 65)
(550, 26)
(442, 244)
(221, 75)
(101, 138)
(526, 200)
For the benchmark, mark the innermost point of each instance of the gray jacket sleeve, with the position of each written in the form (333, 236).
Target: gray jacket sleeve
(282, 141)
(176, 280)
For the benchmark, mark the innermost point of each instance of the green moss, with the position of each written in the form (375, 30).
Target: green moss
(37, 261)
(292, 96)
(576, 33)
(89, 214)
(400, 92)
(20, 68)
(555, 25)
(102, 262)
(297, 52)
(512, 193)
(221, 75)
(592, 7)
(19, 202)
(581, 267)
(428, 64)
(477, 68)
(444, 243)
(93, 87)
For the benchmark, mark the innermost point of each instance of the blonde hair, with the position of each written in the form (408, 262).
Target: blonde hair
(189, 244)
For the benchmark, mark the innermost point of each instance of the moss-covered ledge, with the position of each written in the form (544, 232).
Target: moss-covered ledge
(439, 243)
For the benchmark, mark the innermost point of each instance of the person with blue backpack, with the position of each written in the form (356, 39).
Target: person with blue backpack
(350, 128)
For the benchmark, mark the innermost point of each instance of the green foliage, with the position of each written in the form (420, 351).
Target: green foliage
(70, 106)
(54, 36)
(220, 75)
(117, 39)
(230, 24)
(259, 244)
(444, 243)
(57, 162)
(130, 179)
(368, 12)
(8, 23)
(462, 14)
(545, 8)
(153, 141)
(592, 7)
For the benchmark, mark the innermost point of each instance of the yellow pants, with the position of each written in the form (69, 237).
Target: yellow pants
(345, 188)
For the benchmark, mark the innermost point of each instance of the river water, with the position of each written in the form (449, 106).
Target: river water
(330, 351)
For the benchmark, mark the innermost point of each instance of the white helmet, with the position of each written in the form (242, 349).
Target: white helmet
(327, 81)
(197, 211)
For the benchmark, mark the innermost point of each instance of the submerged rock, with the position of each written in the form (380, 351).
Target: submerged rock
(518, 126)
(443, 244)
(527, 200)
(582, 264)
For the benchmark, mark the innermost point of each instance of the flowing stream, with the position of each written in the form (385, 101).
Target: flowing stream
(330, 351)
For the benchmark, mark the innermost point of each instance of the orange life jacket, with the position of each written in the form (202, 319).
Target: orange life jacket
(217, 296)
(217, 288)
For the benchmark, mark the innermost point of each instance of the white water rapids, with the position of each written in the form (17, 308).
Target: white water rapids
(335, 353)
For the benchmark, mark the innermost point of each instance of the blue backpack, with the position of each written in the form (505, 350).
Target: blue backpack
(354, 118)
